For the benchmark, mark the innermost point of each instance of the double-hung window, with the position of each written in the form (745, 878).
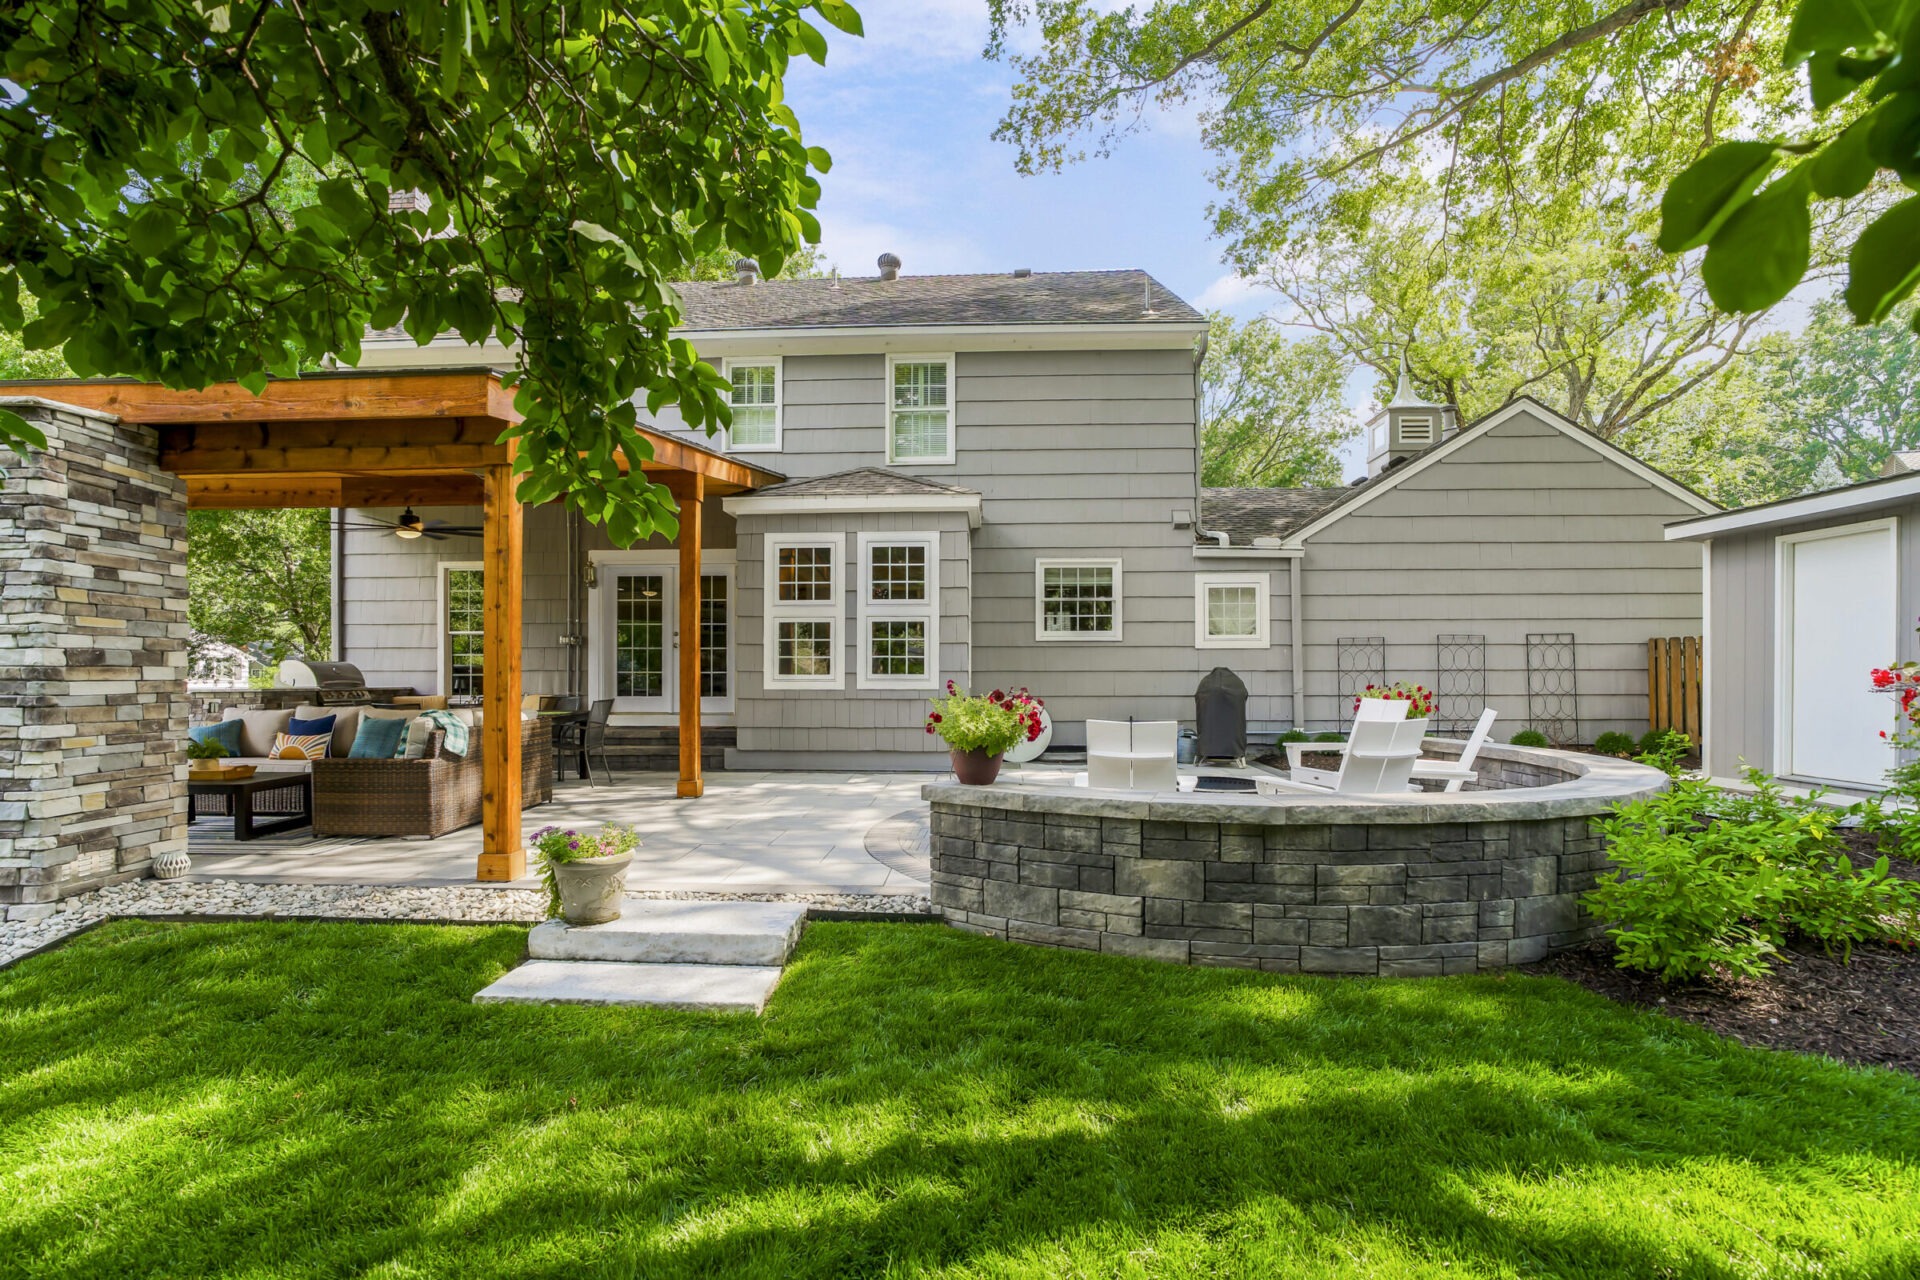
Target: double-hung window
(464, 595)
(754, 394)
(804, 611)
(1076, 599)
(899, 612)
(1230, 611)
(919, 408)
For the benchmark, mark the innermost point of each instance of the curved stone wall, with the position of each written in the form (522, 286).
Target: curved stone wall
(1425, 884)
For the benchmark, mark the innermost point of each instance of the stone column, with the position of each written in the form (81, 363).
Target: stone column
(93, 659)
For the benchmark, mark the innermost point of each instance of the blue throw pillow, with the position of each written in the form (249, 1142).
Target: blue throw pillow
(226, 733)
(319, 724)
(378, 739)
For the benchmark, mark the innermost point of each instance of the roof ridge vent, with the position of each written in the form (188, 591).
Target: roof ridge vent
(889, 266)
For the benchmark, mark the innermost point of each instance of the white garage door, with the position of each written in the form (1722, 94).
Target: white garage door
(1837, 588)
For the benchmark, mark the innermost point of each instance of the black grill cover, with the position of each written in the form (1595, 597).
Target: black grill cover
(1220, 714)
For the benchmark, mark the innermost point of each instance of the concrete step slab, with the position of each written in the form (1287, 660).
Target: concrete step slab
(726, 988)
(667, 932)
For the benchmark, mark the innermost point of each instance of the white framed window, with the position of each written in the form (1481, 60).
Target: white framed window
(804, 611)
(1076, 599)
(462, 628)
(899, 613)
(755, 396)
(1231, 611)
(920, 408)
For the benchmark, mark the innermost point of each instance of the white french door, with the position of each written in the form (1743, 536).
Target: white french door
(636, 638)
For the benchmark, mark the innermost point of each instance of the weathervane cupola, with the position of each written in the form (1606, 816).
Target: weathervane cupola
(1406, 425)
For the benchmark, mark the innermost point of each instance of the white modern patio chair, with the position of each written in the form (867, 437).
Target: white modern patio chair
(1377, 709)
(1133, 756)
(1457, 773)
(1379, 760)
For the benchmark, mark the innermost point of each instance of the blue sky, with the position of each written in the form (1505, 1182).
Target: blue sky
(907, 114)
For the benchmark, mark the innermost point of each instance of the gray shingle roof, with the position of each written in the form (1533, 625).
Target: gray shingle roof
(866, 482)
(1246, 514)
(1046, 297)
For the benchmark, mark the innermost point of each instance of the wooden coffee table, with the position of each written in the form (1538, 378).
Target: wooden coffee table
(240, 794)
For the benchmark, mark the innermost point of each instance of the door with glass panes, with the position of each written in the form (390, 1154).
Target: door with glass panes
(641, 642)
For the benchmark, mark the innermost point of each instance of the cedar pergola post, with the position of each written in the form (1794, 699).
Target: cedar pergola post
(691, 493)
(502, 855)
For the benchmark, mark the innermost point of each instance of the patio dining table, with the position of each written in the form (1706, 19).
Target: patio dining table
(560, 720)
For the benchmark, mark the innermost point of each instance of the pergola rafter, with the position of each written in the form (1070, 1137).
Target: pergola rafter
(430, 438)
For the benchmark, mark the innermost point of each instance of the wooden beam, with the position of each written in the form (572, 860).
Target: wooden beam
(671, 454)
(277, 491)
(691, 783)
(469, 393)
(502, 857)
(422, 445)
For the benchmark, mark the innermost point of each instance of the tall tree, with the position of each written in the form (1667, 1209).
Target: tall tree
(261, 581)
(576, 155)
(1272, 410)
(1853, 390)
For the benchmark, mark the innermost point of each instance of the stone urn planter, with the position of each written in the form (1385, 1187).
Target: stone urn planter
(975, 768)
(592, 889)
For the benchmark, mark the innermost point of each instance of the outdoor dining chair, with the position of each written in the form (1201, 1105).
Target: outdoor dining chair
(1379, 760)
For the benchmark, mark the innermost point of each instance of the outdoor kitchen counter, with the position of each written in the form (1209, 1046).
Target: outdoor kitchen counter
(1426, 884)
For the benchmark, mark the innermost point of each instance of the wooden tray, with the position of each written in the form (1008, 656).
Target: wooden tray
(225, 773)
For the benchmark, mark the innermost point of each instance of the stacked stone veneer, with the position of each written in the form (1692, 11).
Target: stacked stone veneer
(93, 655)
(1392, 890)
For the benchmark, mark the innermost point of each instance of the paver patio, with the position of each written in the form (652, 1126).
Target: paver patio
(751, 833)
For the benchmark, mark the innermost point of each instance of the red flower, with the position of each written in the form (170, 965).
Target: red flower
(996, 696)
(1882, 678)
(952, 688)
(934, 718)
(930, 729)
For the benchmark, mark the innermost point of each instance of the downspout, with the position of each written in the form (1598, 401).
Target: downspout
(1296, 629)
(339, 646)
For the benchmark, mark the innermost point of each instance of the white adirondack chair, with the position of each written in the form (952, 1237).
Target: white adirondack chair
(1137, 756)
(1378, 760)
(1457, 773)
(1388, 709)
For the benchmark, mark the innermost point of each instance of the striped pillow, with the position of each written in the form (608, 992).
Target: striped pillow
(301, 746)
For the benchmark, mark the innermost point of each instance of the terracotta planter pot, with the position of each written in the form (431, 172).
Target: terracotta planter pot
(591, 889)
(975, 768)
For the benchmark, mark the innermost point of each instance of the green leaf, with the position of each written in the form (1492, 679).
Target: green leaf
(1830, 26)
(811, 41)
(254, 380)
(17, 434)
(1844, 166)
(819, 159)
(842, 15)
(1760, 253)
(1884, 264)
(454, 44)
(1708, 191)
(152, 232)
(1828, 81)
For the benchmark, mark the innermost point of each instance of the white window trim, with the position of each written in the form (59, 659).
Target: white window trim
(715, 560)
(779, 401)
(927, 610)
(1040, 632)
(440, 616)
(832, 610)
(953, 407)
(1263, 606)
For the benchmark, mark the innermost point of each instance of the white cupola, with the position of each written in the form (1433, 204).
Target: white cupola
(1406, 425)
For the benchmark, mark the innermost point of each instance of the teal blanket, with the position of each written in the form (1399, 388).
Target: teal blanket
(455, 729)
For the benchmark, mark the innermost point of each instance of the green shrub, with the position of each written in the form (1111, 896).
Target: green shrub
(1529, 738)
(1614, 744)
(1656, 740)
(1329, 737)
(1708, 881)
(1294, 735)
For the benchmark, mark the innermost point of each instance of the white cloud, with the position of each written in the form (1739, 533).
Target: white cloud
(1237, 294)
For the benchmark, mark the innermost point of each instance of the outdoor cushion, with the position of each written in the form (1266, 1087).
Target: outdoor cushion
(419, 729)
(303, 725)
(379, 738)
(346, 723)
(302, 746)
(258, 728)
(226, 733)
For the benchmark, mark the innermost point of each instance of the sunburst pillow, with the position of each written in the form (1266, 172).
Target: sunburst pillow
(301, 746)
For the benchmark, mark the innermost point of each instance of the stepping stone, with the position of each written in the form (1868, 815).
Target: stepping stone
(673, 932)
(730, 988)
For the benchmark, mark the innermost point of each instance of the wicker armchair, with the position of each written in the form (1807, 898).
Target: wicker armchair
(426, 797)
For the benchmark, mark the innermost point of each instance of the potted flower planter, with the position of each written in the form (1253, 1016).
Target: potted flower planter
(591, 889)
(976, 768)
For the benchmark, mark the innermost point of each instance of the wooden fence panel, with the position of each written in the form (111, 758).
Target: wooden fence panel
(1674, 676)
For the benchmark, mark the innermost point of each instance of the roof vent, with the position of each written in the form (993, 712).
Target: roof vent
(1021, 273)
(889, 266)
(1146, 301)
(746, 271)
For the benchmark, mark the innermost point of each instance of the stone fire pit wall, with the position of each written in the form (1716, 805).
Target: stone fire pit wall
(1422, 885)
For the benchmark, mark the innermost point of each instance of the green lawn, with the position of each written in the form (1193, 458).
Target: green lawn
(307, 1100)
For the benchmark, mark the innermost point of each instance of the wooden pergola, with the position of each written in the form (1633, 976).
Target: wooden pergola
(392, 439)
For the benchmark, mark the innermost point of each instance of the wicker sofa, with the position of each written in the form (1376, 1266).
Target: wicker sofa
(427, 797)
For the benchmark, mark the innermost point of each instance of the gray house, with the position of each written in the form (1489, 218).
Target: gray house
(1805, 597)
(994, 479)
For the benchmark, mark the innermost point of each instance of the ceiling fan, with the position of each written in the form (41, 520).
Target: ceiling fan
(410, 525)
